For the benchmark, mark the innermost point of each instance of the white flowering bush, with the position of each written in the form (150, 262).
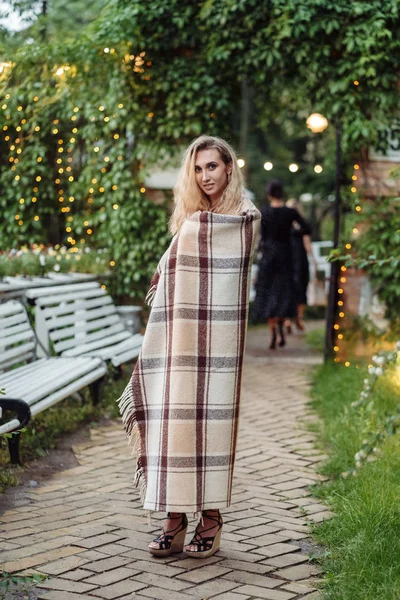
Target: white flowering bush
(369, 450)
(37, 260)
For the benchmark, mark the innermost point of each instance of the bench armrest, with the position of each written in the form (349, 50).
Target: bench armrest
(20, 406)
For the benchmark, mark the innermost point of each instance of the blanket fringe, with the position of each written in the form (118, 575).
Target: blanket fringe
(126, 409)
(150, 295)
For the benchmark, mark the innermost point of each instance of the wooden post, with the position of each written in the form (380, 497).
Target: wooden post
(331, 308)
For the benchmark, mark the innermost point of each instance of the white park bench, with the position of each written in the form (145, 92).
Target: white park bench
(31, 385)
(82, 320)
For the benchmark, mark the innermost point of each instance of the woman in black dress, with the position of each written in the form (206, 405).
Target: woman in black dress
(301, 250)
(275, 298)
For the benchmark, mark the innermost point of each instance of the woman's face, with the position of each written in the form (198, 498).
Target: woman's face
(211, 173)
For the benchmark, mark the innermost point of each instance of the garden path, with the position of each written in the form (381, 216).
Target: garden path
(84, 527)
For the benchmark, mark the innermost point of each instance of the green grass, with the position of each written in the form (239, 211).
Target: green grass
(315, 339)
(46, 430)
(363, 538)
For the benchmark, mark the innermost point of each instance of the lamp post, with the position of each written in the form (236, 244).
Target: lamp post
(318, 123)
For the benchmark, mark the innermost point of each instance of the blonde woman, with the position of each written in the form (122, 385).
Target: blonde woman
(182, 403)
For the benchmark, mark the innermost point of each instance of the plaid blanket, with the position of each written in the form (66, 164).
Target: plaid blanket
(181, 406)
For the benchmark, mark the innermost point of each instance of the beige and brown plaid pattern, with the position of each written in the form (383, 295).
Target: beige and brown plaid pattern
(181, 405)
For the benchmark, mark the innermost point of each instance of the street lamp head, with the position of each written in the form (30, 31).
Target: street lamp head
(317, 122)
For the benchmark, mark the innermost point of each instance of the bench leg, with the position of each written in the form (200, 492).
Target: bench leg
(95, 390)
(117, 373)
(13, 448)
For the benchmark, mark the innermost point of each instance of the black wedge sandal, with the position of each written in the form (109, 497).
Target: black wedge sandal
(206, 546)
(172, 541)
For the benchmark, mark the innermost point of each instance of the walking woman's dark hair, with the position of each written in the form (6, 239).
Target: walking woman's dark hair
(274, 189)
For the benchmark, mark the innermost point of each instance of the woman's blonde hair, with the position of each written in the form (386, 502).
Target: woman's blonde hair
(188, 197)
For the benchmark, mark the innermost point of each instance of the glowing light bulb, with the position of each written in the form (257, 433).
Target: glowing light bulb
(293, 168)
(318, 169)
(241, 163)
(268, 166)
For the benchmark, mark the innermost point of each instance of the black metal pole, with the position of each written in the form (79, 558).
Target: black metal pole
(331, 308)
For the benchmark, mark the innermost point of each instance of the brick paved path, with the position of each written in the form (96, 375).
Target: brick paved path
(85, 528)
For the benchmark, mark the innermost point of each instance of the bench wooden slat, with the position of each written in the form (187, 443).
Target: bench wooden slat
(13, 361)
(15, 353)
(13, 338)
(55, 397)
(9, 321)
(51, 376)
(6, 333)
(57, 298)
(10, 308)
(35, 293)
(9, 376)
(95, 346)
(66, 332)
(26, 374)
(86, 316)
(82, 303)
(87, 338)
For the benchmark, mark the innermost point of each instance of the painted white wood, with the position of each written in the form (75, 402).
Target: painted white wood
(96, 324)
(10, 308)
(70, 297)
(65, 308)
(44, 382)
(126, 356)
(35, 293)
(23, 371)
(8, 332)
(95, 347)
(9, 321)
(54, 375)
(55, 397)
(14, 353)
(43, 348)
(55, 323)
(97, 335)
(13, 361)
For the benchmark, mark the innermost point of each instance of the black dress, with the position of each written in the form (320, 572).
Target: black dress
(275, 286)
(301, 269)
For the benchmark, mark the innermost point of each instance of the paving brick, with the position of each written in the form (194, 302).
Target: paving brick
(210, 589)
(264, 593)
(58, 595)
(204, 574)
(298, 588)
(168, 583)
(254, 579)
(112, 562)
(76, 575)
(63, 585)
(277, 549)
(156, 593)
(231, 596)
(157, 566)
(38, 559)
(116, 590)
(298, 572)
(99, 540)
(285, 560)
(112, 576)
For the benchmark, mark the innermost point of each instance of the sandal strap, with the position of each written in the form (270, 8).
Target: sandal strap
(164, 540)
(205, 543)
